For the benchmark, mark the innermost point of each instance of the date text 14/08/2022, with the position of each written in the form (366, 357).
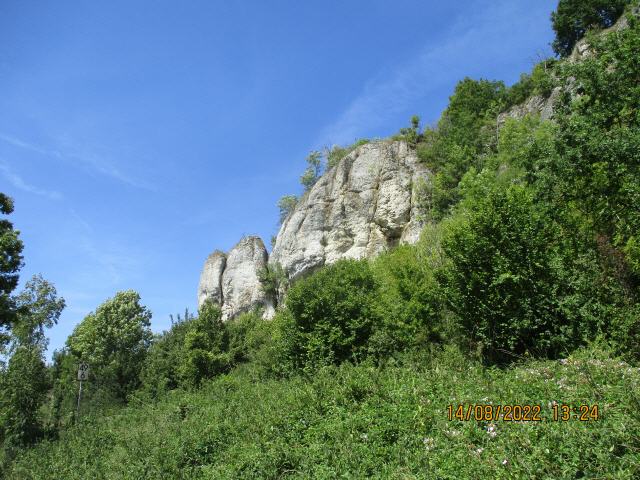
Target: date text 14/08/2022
(523, 413)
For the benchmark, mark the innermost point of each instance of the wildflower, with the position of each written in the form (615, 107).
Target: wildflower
(505, 462)
(479, 450)
(428, 443)
(491, 430)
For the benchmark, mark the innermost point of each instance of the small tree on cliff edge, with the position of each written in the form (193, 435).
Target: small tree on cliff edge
(573, 18)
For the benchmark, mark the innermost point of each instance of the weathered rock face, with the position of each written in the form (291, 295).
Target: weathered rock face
(361, 207)
(535, 105)
(232, 281)
(211, 278)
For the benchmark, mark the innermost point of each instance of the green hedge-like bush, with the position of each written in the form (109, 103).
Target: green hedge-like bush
(331, 315)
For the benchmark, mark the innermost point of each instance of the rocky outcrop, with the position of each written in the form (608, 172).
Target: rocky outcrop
(361, 207)
(364, 205)
(544, 105)
(231, 280)
(210, 286)
(534, 105)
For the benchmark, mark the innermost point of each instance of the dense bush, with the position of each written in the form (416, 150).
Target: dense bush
(25, 382)
(23, 388)
(598, 166)
(160, 371)
(332, 315)
(573, 18)
(10, 264)
(504, 276)
(205, 352)
(410, 299)
(465, 132)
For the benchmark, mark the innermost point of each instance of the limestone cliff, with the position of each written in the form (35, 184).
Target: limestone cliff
(231, 280)
(359, 208)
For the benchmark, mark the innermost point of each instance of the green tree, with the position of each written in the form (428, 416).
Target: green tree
(598, 143)
(205, 351)
(573, 18)
(160, 372)
(25, 382)
(465, 134)
(10, 263)
(412, 133)
(114, 341)
(313, 170)
(286, 205)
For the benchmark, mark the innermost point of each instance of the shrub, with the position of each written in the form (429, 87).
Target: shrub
(332, 315)
(205, 349)
(337, 153)
(466, 131)
(286, 205)
(503, 277)
(23, 388)
(160, 372)
(409, 301)
(598, 142)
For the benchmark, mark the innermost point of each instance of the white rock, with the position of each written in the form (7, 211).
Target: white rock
(211, 278)
(360, 208)
(232, 281)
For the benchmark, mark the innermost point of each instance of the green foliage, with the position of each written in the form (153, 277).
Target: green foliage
(332, 315)
(336, 153)
(23, 388)
(542, 77)
(410, 302)
(24, 384)
(286, 205)
(37, 307)
(313, 170)
(540, 82)
(573, 18)
(504, 276)
(363, 422)
(412, 133)
(10, 263)
(160, 372)
(598, 142)
(114, 341)
(463, 136)
(274, 281)
(205, 350)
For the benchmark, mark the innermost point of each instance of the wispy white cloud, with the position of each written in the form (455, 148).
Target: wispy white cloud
(485, 35)
(18, 182)
(107, 261)
(93, 162)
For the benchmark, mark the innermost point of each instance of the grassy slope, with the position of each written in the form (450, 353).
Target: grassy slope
(363, 422)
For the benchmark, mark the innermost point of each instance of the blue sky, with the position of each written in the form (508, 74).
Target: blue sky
(138, 136)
